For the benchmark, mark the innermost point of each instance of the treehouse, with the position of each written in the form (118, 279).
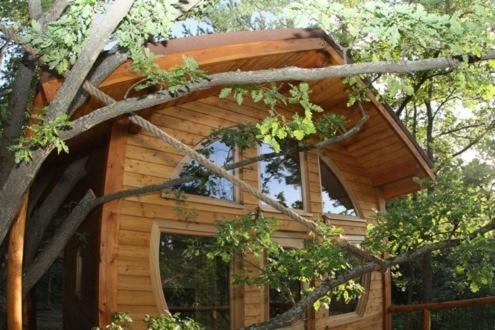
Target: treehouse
(127, 255)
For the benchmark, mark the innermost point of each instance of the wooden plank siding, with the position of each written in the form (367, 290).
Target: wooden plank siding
(147, 160)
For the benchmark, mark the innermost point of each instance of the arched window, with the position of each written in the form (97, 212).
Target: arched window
(209, 184)
(280, 178)
(335, 198)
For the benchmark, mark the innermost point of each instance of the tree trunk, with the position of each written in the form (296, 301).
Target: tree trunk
(426, 262)
(42, 216)
(18, 104)
(427, 277)
(48, 255)
(14, 270)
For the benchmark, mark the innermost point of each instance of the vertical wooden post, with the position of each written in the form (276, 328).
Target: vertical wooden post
(387, 278)
(114, 176)
(14, 269)
(426, 319)
(387, 300)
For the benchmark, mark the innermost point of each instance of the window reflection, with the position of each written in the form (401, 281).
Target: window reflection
(209, 184)
(280, 178)
(194, 286)
(334, 197)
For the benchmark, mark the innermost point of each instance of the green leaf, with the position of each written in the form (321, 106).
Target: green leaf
(225, 92)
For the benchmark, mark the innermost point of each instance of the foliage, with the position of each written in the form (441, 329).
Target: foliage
(170, 80)
(242, 136)
(170, 322)
(276, 128)
(453, 206)
(63, 40)
(120, 321)
(251, 236)
(234, 15)
(44, 134)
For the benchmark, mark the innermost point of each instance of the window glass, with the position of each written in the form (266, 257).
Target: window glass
(283, 300)
(280, 178)
(193, 285)
(210, 185)
(338, 307)
(334, 197)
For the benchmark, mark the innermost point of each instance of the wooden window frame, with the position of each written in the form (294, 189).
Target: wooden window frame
(236, 303)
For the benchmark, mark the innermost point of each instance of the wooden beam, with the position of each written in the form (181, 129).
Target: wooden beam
(107, 301)
(397, 172)
(14, 269)
(464, 303)
(426, 319)
(386, 276)
(399, 188)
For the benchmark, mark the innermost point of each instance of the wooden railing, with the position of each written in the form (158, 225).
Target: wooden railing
(457, 305)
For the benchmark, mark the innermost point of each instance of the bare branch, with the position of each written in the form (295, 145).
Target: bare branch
(457, 129)
(258, 77)
(35, 10)
(54, 12)
(43, 215)
(184, 6)
(99, 36)
(46, 258)
(18, 103)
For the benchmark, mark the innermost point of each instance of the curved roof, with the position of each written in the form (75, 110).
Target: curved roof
(384, 148)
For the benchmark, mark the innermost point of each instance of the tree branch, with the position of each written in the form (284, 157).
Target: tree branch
(311, 225)
(259, 77)
(99, 36)
(46, 257)
(18, 103)
(43, 215)
(35, 10)
(19, 179)
(53, 13)
(297, 311)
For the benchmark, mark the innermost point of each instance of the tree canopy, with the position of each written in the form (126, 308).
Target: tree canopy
(431, 61)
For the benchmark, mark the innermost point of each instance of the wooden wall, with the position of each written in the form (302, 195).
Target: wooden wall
(137, 159)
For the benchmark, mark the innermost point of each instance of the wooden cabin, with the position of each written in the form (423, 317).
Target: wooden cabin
(134, 243)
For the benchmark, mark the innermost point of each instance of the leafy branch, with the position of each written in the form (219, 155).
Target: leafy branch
(40, 136)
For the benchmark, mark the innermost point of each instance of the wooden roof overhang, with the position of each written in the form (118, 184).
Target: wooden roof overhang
(383, 147)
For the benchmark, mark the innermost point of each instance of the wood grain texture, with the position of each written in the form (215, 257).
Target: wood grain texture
(146, 160)
(14, 268)
(109, 222)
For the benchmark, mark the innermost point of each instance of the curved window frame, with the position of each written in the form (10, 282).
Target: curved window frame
(349, 192)
(208, 199)
(200, 230)
(304, 190)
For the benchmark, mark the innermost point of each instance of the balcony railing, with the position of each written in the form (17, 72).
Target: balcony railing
(467, 314)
